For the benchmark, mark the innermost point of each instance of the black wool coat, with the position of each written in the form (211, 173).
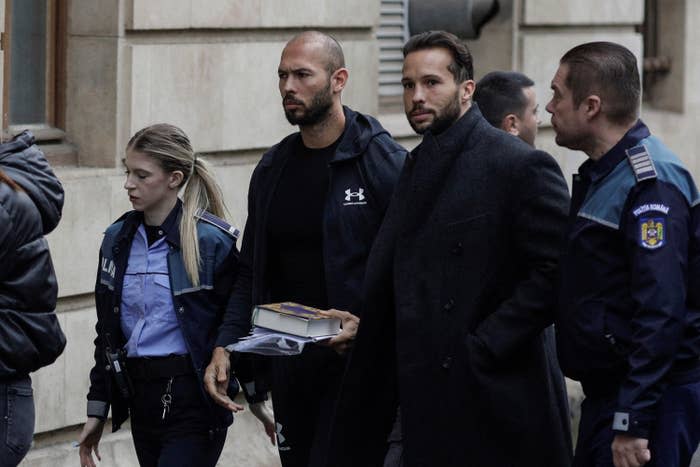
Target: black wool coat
(459, 288)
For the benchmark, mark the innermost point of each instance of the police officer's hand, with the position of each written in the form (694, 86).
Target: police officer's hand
(89, 441)
(349, 324)
(216, 378)
(630, 452)
(263, 414)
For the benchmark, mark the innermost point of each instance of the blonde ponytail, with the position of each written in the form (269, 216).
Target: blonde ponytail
(203, 192)
(171, 147)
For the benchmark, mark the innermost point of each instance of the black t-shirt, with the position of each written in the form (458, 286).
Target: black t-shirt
(294, 229)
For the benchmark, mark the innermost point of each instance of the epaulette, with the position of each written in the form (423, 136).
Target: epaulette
(210, 218)
(642, 165)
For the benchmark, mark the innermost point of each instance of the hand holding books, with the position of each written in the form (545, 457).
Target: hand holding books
(342, 342)
(284, 329)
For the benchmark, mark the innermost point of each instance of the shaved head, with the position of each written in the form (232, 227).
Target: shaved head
(330, 51)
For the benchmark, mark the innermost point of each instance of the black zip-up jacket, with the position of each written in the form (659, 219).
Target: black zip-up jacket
(367, 158)
(30, 336)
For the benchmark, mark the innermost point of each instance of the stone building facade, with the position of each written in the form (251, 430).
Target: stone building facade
(209, 66)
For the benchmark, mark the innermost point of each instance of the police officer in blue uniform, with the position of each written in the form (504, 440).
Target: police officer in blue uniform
(165, 274)
(628, 325)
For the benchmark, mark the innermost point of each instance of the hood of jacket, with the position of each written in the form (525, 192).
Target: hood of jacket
(360, 130)
(23, 161)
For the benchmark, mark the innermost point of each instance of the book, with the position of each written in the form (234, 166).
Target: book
(293, 318)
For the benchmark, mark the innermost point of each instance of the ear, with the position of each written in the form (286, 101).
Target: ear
(466, 91)
(175, 179)
(591, 106)
(510, 123)
(339, 79)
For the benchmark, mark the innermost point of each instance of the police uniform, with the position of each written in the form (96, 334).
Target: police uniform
(628, 324)
(148, 308)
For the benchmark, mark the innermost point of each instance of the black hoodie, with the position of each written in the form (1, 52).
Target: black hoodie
(30, 336)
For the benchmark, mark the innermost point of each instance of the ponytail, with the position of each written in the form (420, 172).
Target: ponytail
(171, 147)
(202, 192)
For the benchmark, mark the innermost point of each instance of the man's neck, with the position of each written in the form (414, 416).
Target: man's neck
(603, 141)
(326, 132)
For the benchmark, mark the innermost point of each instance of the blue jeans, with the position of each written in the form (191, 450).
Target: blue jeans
(16, 420)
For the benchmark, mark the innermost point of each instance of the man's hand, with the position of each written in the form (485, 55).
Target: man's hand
(216, 378)
(349, 324)
(89, 441)
(263, 414)
(630, 452)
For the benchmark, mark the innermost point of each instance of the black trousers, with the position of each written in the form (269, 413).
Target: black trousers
(304, 391)
(185, 437)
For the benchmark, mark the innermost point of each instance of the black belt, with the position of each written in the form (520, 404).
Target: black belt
(159, 367)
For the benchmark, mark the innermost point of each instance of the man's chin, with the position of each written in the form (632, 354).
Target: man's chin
(419, 128)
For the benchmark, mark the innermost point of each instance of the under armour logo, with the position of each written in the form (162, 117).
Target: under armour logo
(359, 194)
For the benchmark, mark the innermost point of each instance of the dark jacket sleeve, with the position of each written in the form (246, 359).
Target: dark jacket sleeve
(659, 290)
(236, 321)
(539, 216)
(249, 370)
(7, 240)
(98, 394)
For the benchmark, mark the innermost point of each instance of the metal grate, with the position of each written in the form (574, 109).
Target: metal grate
(391, 35)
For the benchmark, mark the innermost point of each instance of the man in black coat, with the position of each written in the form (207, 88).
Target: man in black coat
(458, 290)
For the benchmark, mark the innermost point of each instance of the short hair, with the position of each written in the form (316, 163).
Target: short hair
(461, 67)
(501, 93)
(608, 70)
(333, 52)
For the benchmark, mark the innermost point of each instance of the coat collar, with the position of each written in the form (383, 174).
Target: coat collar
(431, 164)
(597, 170)
(171, 225)
(456, 136)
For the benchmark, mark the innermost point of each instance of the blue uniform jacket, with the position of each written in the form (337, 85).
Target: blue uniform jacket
(199, 309)
(628, 323)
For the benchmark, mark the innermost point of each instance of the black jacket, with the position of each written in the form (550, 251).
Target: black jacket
(198, 309)
(459, 289)
(30, 336)
(368, 158)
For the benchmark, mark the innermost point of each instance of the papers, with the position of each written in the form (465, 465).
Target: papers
(264, 341)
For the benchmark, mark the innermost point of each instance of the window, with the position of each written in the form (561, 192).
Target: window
(391, 35)
(33, 46)
(663, 32)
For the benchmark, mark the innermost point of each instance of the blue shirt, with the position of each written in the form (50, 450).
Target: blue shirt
(148, 318)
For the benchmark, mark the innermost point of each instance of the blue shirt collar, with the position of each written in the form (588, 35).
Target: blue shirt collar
(596, 170)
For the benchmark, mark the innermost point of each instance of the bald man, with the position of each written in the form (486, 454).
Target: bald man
(315, 202)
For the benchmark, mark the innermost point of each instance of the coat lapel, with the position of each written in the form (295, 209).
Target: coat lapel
(432, 162)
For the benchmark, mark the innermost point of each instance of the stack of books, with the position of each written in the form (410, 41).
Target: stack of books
(284, 329)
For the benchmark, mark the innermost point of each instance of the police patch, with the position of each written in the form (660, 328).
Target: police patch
(652, 232)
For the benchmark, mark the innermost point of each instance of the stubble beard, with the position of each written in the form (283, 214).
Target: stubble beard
(317, 110)
(443, 119)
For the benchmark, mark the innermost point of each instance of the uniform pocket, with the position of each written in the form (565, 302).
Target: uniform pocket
(162, 299)
(19, 422)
